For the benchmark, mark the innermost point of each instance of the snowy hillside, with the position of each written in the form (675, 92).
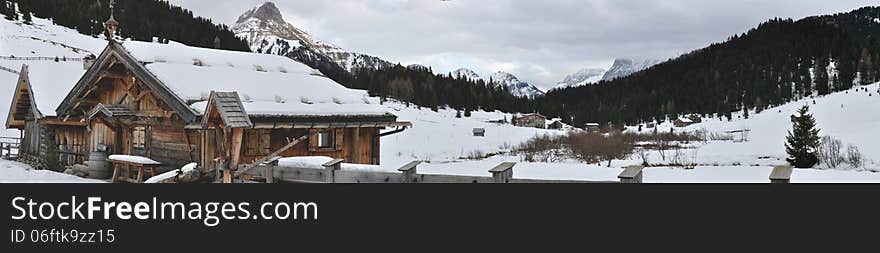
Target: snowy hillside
(267, 32)
(581, 78)
(849, 116)
(515, 86)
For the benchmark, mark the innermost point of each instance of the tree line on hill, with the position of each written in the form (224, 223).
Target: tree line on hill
(140, 20)
(778, 62)
(425, 88)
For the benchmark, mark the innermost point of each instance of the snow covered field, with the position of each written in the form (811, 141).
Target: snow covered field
(14, 172)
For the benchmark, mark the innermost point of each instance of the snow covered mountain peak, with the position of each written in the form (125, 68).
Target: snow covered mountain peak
(268, 12)
(466, 73)
(265, 29)
(626, 67)
(515, 86)
(582, 77)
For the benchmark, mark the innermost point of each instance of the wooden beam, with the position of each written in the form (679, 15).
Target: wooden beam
(62, 122)
(270, 156)
(356, 157)
(235, 147)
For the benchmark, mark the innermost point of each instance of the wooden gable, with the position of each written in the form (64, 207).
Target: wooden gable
(226, 108)
(23, 106)
(116, 63)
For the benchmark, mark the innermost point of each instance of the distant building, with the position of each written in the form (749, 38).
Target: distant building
(556, 125)
(531, 120)
(592, 127)
(683, 122)
(479, 132)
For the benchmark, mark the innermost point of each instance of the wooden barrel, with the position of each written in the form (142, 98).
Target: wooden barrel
(99, 167)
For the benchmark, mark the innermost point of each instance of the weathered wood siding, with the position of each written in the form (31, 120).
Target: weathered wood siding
(30, 143)
(362, 150)
(72, 144)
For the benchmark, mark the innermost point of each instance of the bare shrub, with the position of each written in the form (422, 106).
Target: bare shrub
(644, 154)
(543, 148)
(829, 152)
(854, 156)
(594, 147)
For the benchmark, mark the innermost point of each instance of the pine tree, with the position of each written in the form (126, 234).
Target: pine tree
(467, 113)
(802, 143)
(745, 112)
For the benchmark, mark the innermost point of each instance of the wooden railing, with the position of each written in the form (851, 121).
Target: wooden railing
(333, 173)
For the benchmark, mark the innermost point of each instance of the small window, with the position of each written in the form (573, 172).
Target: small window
(325, 139)
(139, 137)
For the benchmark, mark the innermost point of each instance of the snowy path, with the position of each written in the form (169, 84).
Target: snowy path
(15, 172)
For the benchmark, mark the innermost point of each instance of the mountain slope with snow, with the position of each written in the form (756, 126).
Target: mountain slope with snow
(267, 32)
(581, 78)
(625, 67)
(516, 86)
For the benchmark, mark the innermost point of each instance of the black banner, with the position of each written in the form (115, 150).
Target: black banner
(382, 216)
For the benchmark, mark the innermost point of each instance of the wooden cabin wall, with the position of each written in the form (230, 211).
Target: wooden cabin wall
(30, 143)
(278, 139)
(102, 134)
(166, 139)
(171, 144)
(72, 144)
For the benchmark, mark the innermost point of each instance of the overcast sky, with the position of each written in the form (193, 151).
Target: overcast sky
(539, 41)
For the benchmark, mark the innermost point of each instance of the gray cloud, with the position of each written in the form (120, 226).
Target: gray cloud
(539, 41)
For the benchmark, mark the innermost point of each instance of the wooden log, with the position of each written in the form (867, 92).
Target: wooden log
(503, 173)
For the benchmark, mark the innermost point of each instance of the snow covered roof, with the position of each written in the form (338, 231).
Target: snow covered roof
(268, 84)
(299, 109)
(685, 120)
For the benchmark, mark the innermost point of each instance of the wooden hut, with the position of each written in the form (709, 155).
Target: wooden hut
(531, 120)
(153, 100)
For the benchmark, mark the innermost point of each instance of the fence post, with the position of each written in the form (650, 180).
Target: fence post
(270, 169)
(410, 173)
(330, 169)
(503, 173)
(631, 174)
(781, 174)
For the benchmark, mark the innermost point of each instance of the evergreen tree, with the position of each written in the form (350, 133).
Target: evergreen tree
(745, 112)
(802, 143)
(457, 114)
(467, 113)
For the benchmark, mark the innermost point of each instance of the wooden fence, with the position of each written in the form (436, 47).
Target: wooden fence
(40, 58)
(9, 70)
(503, 173)
(9, 147)
(332, 173)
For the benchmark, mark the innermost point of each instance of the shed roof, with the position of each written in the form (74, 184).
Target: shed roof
(112, 111)
(228, 106)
